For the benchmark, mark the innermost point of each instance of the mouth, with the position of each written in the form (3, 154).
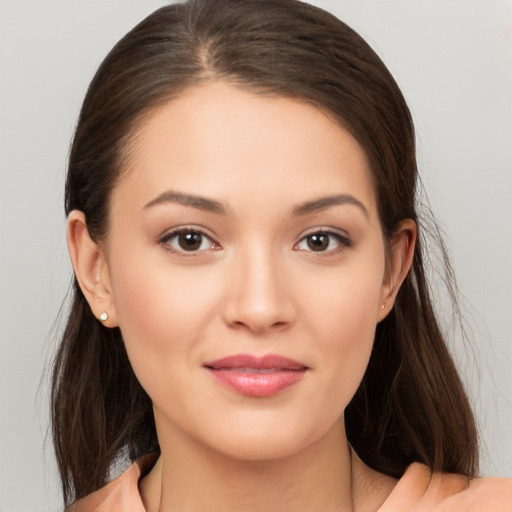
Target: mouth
(254, 376)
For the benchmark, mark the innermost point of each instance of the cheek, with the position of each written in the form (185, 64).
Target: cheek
(346, 334)
(345, 301)
(343, 315)
(162, 313)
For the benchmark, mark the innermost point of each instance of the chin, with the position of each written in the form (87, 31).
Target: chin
(261, 450)
(267, 442)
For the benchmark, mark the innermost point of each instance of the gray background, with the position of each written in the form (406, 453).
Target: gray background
(452, 59)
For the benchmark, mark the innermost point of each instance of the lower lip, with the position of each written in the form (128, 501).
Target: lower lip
(258, 385)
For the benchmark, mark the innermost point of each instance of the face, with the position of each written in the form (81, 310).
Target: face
(246, 266)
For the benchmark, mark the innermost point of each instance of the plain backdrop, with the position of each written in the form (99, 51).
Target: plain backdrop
(452, 59)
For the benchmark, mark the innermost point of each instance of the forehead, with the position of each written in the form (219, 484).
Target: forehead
(219, 141)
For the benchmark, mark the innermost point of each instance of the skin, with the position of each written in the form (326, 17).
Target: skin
(255, 286)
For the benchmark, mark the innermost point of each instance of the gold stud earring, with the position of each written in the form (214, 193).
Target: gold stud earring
(104, 316)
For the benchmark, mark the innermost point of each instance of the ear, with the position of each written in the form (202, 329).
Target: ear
(91, 269)
(402, 254)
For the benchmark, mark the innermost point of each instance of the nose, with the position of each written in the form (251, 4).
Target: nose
(258, 293)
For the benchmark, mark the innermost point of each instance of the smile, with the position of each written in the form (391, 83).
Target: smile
(256, 376)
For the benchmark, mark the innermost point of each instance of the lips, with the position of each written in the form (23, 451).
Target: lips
(256, 376)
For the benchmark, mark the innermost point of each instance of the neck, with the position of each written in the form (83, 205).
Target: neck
(192, 478)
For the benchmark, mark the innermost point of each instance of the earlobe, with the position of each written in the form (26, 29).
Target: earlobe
(402, 255)
(91, 269)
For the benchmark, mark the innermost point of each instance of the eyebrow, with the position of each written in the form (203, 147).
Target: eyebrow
(210, 205)
(325, 202)
(201, 203)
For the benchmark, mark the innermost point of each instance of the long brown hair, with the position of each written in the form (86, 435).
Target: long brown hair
(411, 405)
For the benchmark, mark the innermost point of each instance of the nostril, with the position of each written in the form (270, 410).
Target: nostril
(259, 327)
(258, 301)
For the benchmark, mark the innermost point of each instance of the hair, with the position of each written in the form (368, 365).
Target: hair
(411, 404)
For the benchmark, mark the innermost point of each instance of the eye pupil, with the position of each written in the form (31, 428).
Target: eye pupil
(318, 242)
(190, 241)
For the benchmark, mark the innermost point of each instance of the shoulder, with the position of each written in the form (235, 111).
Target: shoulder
(420, 489)
(121, 494)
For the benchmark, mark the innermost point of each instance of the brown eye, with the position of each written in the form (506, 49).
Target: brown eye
(323, 241)
(318, 241)
(190, 241)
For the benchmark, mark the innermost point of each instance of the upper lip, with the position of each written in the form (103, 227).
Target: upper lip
(270, 361)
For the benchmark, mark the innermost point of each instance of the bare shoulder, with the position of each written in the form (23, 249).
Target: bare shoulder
(420, 489)
(481, 495)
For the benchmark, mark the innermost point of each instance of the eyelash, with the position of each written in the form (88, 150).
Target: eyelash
(165, 239)
(343, 241)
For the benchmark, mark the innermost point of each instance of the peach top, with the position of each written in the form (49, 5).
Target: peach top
(417, 491)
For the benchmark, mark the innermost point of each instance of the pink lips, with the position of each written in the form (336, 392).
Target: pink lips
(256, 376)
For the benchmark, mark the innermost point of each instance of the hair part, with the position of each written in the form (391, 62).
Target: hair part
(411, 405)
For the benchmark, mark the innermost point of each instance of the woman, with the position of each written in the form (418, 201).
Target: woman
(251, 313)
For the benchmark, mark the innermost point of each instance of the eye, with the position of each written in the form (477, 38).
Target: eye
(323, 241)
(188, 240)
